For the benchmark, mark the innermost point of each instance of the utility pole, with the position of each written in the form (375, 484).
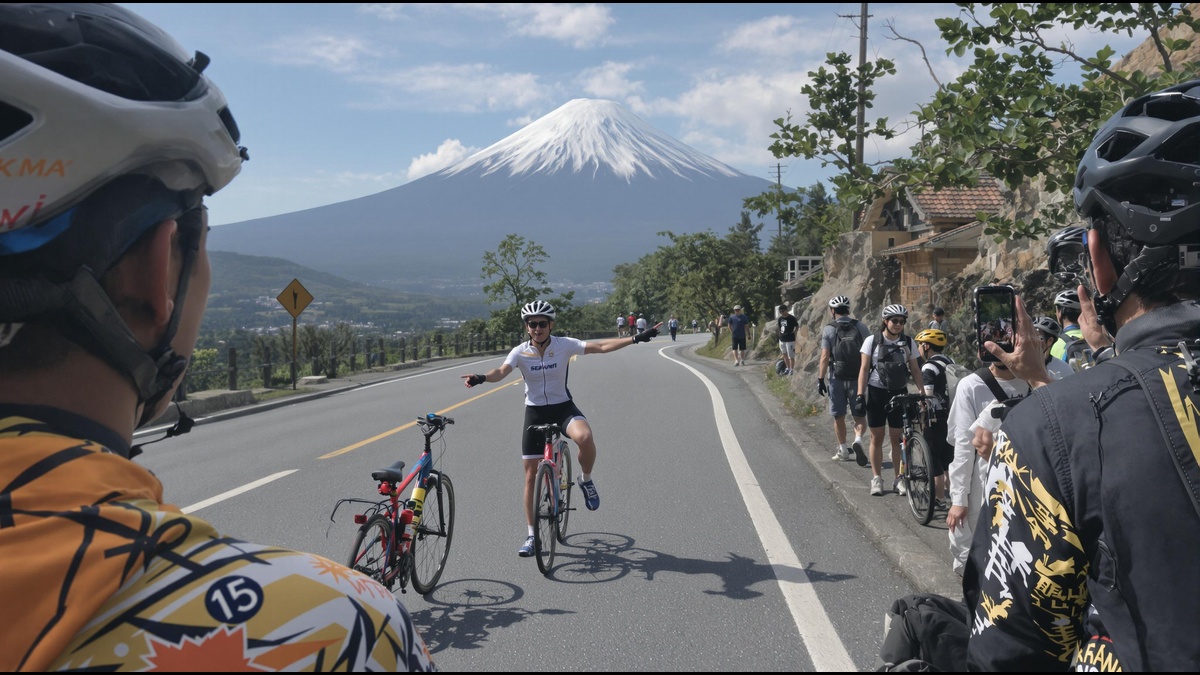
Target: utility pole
(779, 194)
(862, 91)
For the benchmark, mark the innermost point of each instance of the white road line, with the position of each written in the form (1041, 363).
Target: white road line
(236, 491)
(820, 638)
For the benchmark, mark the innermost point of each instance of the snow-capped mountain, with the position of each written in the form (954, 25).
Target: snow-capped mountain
(590, 183)
(590, 137)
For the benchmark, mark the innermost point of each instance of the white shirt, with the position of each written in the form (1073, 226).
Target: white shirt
(545, 374)
(868, 348)
(967, 473)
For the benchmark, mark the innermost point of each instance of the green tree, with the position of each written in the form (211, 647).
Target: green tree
(1015, 113)
(515, 280)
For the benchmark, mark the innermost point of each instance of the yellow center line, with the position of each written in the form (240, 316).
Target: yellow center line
(402, 427)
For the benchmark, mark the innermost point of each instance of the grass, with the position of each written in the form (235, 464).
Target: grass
(780, 386)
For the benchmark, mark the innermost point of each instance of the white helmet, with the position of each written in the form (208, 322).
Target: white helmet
(1068, 299)
(107, 127)
(1048, 326)
(895, 310)
(538, 308)
(839, 301)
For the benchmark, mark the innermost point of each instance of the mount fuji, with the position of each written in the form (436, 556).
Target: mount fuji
(591, 183)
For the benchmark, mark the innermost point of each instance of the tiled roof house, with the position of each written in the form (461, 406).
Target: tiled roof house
(933, 234)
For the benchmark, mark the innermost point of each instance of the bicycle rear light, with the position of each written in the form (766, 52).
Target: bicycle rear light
(360, 518)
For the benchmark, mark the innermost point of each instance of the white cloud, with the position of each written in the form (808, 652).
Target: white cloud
(339, 54)
(461, 88)
(579, 25)
(610, 81)
(775, 36)
(451, 151)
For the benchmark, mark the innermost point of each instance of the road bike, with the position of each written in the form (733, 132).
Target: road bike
(551, 495)
(398, 542)
(915, 455)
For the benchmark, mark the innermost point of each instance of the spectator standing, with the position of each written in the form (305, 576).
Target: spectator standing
(673, 326)
(1095, 478)
(939, 320)
(889, 359)
(841, 343)
(787, 326)
(631, 323)
(968, 469)
(641, 323)
(620, 325)
(931, 342)
(737, 334)
(695, 326)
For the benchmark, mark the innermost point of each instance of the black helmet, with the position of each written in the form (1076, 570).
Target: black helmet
(1137, 184)
(1066, 254)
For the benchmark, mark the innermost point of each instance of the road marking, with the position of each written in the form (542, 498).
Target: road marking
(236, 491)
(349, 448)
(820, 638)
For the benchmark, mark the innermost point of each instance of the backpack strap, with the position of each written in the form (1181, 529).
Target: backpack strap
(1185, 462)
(985, 374)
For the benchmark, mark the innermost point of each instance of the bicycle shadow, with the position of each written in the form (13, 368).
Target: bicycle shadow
(598, 557)
(468, 610)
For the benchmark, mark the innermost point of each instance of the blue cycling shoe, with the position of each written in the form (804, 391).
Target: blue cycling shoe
(526, 549)
(590, 496)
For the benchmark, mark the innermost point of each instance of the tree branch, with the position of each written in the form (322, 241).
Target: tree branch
(896, 36)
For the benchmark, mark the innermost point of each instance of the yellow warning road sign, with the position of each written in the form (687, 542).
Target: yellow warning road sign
(295, 298)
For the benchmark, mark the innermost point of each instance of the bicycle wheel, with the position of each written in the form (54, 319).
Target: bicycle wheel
(565, 485)
(374, 552)
(431, 544)
(919, 480)
(546, 512)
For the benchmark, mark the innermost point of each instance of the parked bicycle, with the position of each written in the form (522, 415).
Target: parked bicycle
(552, 495)
(915, 455)
(398, 542)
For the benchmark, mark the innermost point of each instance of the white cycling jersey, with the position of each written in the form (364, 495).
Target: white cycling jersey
(545, 374)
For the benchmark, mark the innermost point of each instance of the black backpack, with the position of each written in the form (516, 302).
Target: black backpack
(845, 355)
(893, 374)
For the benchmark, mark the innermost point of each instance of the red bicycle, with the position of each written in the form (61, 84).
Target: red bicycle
(552, 495)
(398, 542)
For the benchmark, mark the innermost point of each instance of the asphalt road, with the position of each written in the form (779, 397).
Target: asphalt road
(680, 567)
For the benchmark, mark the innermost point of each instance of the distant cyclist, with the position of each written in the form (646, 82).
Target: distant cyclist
(1066, 305)
(543, 361)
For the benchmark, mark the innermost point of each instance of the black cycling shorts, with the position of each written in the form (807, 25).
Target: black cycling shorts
(533, 443)
(877, 415)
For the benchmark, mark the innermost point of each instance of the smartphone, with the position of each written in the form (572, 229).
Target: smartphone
(995, 318)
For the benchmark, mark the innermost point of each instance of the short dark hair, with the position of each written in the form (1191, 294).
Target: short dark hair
(841, 310)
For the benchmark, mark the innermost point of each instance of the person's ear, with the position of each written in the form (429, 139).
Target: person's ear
(1104, 275)
(144, 280)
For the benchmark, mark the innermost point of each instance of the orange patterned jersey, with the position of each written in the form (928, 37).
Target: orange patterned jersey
(97, 573)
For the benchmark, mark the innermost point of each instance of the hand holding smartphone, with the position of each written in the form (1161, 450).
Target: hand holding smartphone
(995, 319)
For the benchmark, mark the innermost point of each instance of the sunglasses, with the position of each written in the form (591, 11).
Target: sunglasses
(897, 319)
(537, 324)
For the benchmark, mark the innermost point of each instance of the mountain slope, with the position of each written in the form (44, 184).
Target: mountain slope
(590, 183)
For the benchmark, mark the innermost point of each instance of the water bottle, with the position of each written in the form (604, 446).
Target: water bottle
(406, 524)
(417, 504)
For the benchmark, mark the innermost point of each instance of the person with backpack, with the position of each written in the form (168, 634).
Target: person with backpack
(1066, 305)
(889, 359)
(673, 326)
(939, 320)
(1092, 526)
(931, 342)
(841, 340)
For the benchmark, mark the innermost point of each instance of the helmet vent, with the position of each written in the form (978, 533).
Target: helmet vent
(1119, 145)
(1184, 148)
(12, 120)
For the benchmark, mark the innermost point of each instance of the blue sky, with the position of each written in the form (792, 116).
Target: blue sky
(339, 101)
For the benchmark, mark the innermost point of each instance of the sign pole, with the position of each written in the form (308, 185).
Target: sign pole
(294, 299)
(293, 353)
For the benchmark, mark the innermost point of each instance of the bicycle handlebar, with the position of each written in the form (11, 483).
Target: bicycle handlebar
(434, 422)
(906, 399)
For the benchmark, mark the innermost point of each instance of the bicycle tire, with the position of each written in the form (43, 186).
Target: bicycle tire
(374, 551)
(434, 534)
(918, 479)
(545, 511)
(565, 485)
